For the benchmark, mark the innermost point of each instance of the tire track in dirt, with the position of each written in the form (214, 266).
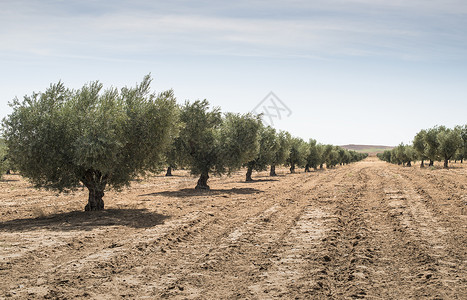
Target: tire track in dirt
(422, 221)
(100, 254)
(238, 255)
(349, 256)
(411, 260)
(368, 230)
(105, 263)
(281, 249)
(444, 195)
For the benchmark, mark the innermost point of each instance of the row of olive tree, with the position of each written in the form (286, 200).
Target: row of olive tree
(282, 148)
(314, 155)
(63, 139)
(199, 148)
(401, 155)
(438, 143)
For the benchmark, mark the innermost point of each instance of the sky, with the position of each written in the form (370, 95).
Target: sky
(339, 71)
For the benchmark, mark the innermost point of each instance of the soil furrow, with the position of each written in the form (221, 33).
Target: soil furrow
(367, 230)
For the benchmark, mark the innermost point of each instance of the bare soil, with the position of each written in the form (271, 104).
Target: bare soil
(367, 230)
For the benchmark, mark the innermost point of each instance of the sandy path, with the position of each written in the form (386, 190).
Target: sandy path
(367, 230)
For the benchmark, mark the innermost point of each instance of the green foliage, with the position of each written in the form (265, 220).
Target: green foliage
(313, 157)
(409, 155)
(4, 161)
(298, 151)
(432, 144)
(357, 156)
(320, 148)
(449, 141)
(239, 140)
(62, 138)
(282, 140)
(268, 147)
(200, 136)
(385, 156)
(215, 144)
(327, 155)
(462, 155)
(420, 145)
(332, 156)
(401, 155)
(174, 157)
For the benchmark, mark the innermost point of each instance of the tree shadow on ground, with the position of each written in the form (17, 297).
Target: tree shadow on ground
(183, 193)
(8, 180)
(259, 180)
(80, 220)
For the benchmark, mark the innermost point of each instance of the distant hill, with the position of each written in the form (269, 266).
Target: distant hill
(370, 149)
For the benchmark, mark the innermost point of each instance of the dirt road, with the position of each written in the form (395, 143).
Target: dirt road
(367, 230)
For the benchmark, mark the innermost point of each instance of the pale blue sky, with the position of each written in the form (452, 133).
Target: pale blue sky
(355, 71)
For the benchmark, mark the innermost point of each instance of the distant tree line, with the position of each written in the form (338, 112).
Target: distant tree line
(438, 143)
(63, 139)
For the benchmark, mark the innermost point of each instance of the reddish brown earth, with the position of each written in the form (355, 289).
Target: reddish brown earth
(368, 230)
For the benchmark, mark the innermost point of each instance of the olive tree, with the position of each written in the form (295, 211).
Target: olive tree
(62, 139)
(449, 141)
(385, 156)
(268, 147)
(347, 158)
(409, 155)
(432, 144)
(282, 151)
(297, 153)
(328, 156)
(396, 155)
(217, 144)
(313, 156)
(419, 145)
(332, 157)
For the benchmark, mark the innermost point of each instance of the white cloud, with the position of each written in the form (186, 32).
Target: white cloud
(269, 28)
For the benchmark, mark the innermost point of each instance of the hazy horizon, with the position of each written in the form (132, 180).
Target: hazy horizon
(341, 72)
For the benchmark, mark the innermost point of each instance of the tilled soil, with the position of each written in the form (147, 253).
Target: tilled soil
(367, 230)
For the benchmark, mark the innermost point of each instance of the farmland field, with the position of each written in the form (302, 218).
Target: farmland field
(367, 230)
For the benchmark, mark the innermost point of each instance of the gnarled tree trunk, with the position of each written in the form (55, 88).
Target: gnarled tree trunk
(307, 168)
(248, 174)
(169, 171)
(95, 201)
(203, 182)
(422, 164)
(431, 163)
(292, 168)
(95, 182)
(446, 160)
(273, 171)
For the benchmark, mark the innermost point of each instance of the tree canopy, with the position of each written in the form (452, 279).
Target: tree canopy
(298, 148)
(268, 147)
(214, 143)
(4, 162)
(282, 151)
(63, 138)
(450, 141)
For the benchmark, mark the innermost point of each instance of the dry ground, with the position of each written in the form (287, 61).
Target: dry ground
(368, 230)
